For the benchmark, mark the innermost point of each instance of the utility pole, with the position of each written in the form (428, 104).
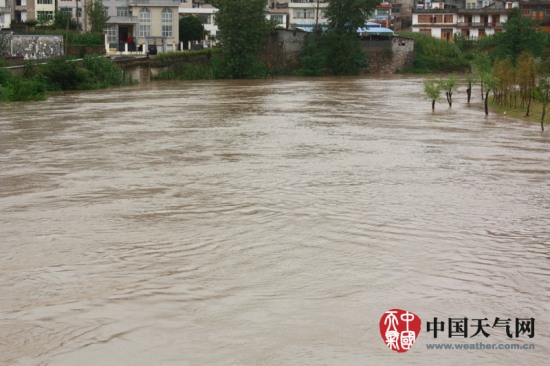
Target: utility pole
(317, 16)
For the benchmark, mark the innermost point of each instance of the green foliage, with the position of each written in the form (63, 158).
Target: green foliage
(313, 61)
(432, 89)
(434, 55)
(28, 89)
(86, 39)
(104, 71)
(244, 29)
(345, 56)
(345, 16)
(520, 35)
(5, 74)
(62, 74)
(186, 55)
(190, 29)
(186, 72)
(97, 15)
(63, 20)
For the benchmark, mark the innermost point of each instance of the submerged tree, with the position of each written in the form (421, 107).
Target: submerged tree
(488, 82)
(526, 74)
(449, 86)
(542, 95)
(432, 88)
(481, 65)
(470, 79)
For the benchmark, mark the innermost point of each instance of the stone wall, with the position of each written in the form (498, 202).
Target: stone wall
(5, 41)
(389, 56)
(31, 47)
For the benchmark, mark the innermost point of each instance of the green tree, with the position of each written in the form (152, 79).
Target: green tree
(97, 14)
(432, 89)
(520, 35)
(481, 65)
(64, 20)
(314, 58)
(345, 16)
(345, 56)
(449, 85)
(526, 75)
(190, 29)
(243, 33)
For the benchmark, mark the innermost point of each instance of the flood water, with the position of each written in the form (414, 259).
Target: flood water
(267, 223)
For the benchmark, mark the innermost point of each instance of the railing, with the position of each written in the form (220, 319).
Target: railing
(154, 2)
(5, 9)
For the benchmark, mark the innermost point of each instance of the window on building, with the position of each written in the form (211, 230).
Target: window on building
(424, 19)
(112, 36)
(166, 18)
(44, 15)
(122, 11)
(145, 23)
(526, 11)
(66, 10)
(304, 13)
(277, 18)
(44, 2)
(205, 18)
(448, 18)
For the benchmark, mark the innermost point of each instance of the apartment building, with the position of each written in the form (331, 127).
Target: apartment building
(138, 24)
(203, 10)
(5, 14)
(445, 19)
(538, 10)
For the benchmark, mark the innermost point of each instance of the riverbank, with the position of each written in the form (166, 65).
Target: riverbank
(535, 112)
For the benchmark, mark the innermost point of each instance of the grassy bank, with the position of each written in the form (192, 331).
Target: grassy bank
(535, 112)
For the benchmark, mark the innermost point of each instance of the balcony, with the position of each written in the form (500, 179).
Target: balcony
(5, 9)
(123, 20)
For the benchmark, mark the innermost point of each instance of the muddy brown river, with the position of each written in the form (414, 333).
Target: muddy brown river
(270, 222)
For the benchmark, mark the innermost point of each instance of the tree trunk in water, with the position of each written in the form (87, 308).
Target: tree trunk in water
(433, 104)
(528, 107)
(487, 102)
(450, 99)
(469, 92)
(481, 91)
(542, 117)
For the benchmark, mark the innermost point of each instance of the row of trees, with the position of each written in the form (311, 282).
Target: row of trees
(244, 31)
(513, 72)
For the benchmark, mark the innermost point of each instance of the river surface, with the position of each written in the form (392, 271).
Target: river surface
(268, 223)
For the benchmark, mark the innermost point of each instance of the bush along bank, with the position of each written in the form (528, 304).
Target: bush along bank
(36, 80)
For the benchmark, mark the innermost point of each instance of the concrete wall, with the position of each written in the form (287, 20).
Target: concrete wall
(31, 47)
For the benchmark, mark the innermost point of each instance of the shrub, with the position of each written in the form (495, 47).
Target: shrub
(5, 75)
(436, 55)
(104, 71)
(28, 89)
(62, 74)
